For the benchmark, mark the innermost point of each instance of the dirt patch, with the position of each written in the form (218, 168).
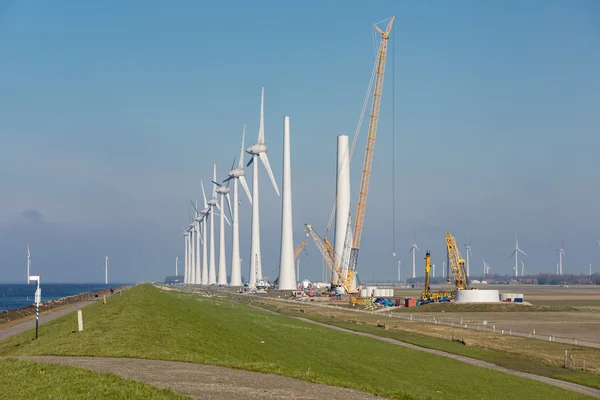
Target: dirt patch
(206, 381)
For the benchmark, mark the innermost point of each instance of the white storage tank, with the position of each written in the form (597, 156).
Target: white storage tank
(504, 296)
(477, 296)
(363, 293)
(370, 290)
(391, 292)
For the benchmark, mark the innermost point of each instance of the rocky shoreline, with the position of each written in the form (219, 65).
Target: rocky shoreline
(11, 315)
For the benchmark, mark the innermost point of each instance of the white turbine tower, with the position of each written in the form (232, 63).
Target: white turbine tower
(237, 174)
(198, 234)
(223, 192)
(212, 203)
(399, 265)
(468, 247)
(176, 266)
(287, 274)
(205, 213)
(516, 254)
(258, 150)
(561, 254)
(413, 248)
(106, 270)
(28, 263)
(192, 262)
(186, 272)
(522, 268)
(342, 198)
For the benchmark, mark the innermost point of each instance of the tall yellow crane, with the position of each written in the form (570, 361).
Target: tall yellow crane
(361, 205)
(330, 258)
(456, 263)
(426, 292)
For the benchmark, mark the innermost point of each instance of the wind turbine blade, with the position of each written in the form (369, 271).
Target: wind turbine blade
(195, 208)
(417, 247)
(265, 160)
(246, 189)
(241, 160)
(218, 206)
(189, 215)
(203, 194)
(250, 162)
(228, 179)
(226, 220)
(214, 193)
(216, 183)
(233, 164)
(513, 253)
(28, 252)
(521, 251)
(261, 129)
(229, 205)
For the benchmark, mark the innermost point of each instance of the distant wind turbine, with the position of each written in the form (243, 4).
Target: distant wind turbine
(413, 248)
(522, 268)
(205, 213)
(106, 270)
(258, 150)
(468, 247)
(28, 263)
(176, 266)
(516, 254)
(561, 254)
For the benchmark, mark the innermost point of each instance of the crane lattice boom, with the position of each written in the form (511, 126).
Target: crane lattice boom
(299, 249)
(456, 263)
(372, 135)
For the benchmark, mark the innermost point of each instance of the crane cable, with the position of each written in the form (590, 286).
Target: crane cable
(393, 144)
(356, 133)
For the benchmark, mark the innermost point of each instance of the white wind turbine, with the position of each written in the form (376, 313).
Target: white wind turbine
(561, 254)
(212, 203)
(522, 268)
(223, 192)
(237, 174)
(413, 248)
(516, 254)
(28, 263)
(198, 233)
(106, 270)
(258, 150)
(186, 271)
(468, 247)
(204, 213)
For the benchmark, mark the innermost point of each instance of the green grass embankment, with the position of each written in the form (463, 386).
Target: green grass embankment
(148, 323)
(31, 380)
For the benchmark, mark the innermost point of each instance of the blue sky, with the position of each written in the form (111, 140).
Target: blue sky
(112, 112)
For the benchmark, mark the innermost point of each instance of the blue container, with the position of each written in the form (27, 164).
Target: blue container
(518, 300)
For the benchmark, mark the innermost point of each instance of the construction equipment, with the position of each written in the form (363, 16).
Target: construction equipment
(372, 135)
(330, 257)
(299, 249)
(428, 296)
(456, 263)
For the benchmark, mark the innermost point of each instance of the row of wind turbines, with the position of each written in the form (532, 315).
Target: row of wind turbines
(200, 256)
(486, 266)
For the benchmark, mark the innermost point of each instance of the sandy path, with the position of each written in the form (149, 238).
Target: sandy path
(483, 364)
(207, 381)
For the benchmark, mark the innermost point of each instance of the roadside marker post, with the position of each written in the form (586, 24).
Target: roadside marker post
(38, 300)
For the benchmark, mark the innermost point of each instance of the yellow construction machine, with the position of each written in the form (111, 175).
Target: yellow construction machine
(428, 296)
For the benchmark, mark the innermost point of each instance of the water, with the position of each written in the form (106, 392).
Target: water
(19, 295)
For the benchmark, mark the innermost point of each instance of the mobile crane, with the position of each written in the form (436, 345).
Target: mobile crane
(428, 296)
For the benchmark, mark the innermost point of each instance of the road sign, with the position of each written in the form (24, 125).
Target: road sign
(38, 295)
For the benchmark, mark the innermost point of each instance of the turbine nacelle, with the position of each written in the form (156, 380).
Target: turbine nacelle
(186, 234)
(223, 190)
(197, 219)
(212, 202)
(204, 211)
(257, 149)
(236, 173)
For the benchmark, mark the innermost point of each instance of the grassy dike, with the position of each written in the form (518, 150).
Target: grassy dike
(31, 380)
(147, 323)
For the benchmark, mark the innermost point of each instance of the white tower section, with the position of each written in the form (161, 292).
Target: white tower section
(204, 253)
(223, 191)
(186, 273)
(342, 196)
(237, 174)
(197, 275)
(287, 273)
(192, 256)
(212, 271)
(106, 270)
